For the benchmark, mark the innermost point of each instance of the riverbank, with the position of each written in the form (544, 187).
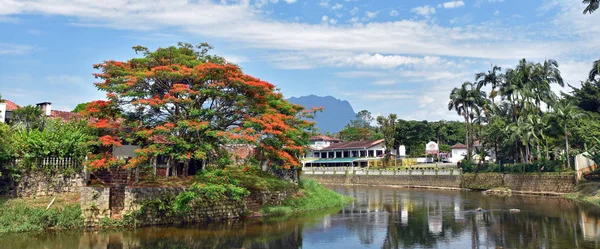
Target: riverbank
(311, 197)
(243, 193)
(588, 192)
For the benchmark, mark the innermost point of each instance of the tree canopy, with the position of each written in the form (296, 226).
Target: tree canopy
(183, 103)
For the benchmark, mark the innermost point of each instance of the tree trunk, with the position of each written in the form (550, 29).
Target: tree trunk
(168, 168)
(467, 136)
(539, 151)
(154, 162)
(547, 151)
(186, 167)
(567, 147)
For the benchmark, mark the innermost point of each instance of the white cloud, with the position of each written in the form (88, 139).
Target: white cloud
(8, 48)
(290, 1)
(394, 13)
(337, 6)
(497, 12)
(354, 11)
(424, 10)
(452, 4)
(64, 79)
(371, 14)
(333, 21)
(324, 18)
(324, 3)
(385, 82)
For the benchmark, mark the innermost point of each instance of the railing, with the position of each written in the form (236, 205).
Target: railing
(389, 172)
(66, 162)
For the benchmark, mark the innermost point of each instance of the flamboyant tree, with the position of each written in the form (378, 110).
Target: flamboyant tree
(182, 103)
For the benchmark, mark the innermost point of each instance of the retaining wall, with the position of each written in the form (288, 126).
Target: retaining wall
(41, 184)
(535, 183)
(447, 181)
(153, 206)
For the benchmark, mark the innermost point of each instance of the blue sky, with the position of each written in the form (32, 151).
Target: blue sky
(399, 57)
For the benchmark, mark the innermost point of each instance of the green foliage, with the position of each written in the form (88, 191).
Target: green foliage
(315, 197)
(80, 107)
(23, 218)
(28, 117)
(360, 128)
(58, 139)
(516, 168)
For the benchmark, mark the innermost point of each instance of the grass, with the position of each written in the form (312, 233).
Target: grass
(259, 180)
(312, 196)
(30, 214)
(587, 192)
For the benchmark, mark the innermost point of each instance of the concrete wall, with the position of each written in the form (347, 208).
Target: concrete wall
(41, 184)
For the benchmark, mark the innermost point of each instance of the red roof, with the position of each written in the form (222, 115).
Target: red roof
(324, 138)
(66, 116)
(354, 145)
(462, 146)
(10, 106)
(458, 146)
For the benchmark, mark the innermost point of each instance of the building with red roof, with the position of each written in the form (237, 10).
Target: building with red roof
(7, 108)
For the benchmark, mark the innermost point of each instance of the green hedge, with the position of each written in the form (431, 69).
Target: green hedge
(534, 167)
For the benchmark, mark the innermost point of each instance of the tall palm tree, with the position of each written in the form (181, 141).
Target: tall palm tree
(465, 101)
(563, 112)
(592, 5)
(595, 70)
(493, 77)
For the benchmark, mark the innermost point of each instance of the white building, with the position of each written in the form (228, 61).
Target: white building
(459, 152)
(327, 152)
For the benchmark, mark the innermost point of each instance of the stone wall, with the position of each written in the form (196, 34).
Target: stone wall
(543, 183)
(447, 181)
(41, 184)
(95, 204)
(152, 206)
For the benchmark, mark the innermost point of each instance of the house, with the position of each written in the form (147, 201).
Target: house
(321, 141)
(459, 152)
(8, 107)
(355, 153)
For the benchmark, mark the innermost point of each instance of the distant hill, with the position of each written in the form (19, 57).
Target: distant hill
(336, 115)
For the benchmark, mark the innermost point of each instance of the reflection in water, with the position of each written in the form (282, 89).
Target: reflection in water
(379, 218)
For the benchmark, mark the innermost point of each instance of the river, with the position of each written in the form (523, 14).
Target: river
(378, 218)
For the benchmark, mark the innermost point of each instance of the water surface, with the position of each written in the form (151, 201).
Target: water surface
(379, 218)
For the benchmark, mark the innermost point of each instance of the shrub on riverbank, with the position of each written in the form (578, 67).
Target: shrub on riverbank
(513, 168)
(587, 192)
(25, 218)
(312, 196)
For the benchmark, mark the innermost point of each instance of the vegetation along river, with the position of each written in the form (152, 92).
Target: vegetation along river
(378, 218)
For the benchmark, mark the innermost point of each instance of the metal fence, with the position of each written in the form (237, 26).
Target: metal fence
(390, 172)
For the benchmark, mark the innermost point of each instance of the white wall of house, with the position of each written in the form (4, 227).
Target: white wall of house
(458, 155)
(2, 112)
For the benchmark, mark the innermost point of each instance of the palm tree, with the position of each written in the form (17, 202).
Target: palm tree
(563, 112)
(492, 77)
(465, 101)
(592, 5)
(595, 70)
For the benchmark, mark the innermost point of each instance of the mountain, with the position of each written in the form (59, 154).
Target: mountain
(336, 115)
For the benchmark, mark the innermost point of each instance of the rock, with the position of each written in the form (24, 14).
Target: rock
(479, 209)
(514, 210)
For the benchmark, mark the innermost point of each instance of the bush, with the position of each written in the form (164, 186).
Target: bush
(516, 168)
(23, 218)
(314, 196)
